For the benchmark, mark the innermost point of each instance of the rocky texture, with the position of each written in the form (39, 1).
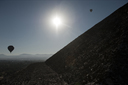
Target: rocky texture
(97, 57)
(35, 74)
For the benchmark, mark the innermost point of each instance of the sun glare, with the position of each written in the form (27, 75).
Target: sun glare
(57, 21)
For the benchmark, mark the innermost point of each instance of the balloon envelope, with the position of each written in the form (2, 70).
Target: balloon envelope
(10, 48)
(90, 10)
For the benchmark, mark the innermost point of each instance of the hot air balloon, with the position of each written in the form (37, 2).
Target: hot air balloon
(10, 48)
(90, 10)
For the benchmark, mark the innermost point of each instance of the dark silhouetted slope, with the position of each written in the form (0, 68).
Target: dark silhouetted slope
(99, 56)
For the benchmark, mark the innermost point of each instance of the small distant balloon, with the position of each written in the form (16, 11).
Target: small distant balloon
(10, 48)
(90, 10)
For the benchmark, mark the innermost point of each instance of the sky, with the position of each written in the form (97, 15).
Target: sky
(27, 24)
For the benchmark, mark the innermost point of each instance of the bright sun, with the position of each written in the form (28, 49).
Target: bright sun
(57, 21)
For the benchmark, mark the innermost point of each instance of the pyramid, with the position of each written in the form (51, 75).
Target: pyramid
(97, 57)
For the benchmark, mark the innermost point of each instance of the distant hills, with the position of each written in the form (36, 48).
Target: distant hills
(97, 57)
(29, 57)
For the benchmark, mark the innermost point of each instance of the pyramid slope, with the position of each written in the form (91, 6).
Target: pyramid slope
(100, 55)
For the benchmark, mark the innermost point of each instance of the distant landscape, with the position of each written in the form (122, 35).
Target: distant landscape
(10, 64)
(9, 67)
(28, 57)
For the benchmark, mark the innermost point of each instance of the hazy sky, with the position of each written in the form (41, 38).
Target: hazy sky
(27, 24)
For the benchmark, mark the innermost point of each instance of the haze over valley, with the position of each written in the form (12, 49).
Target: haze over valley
(26, 57)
